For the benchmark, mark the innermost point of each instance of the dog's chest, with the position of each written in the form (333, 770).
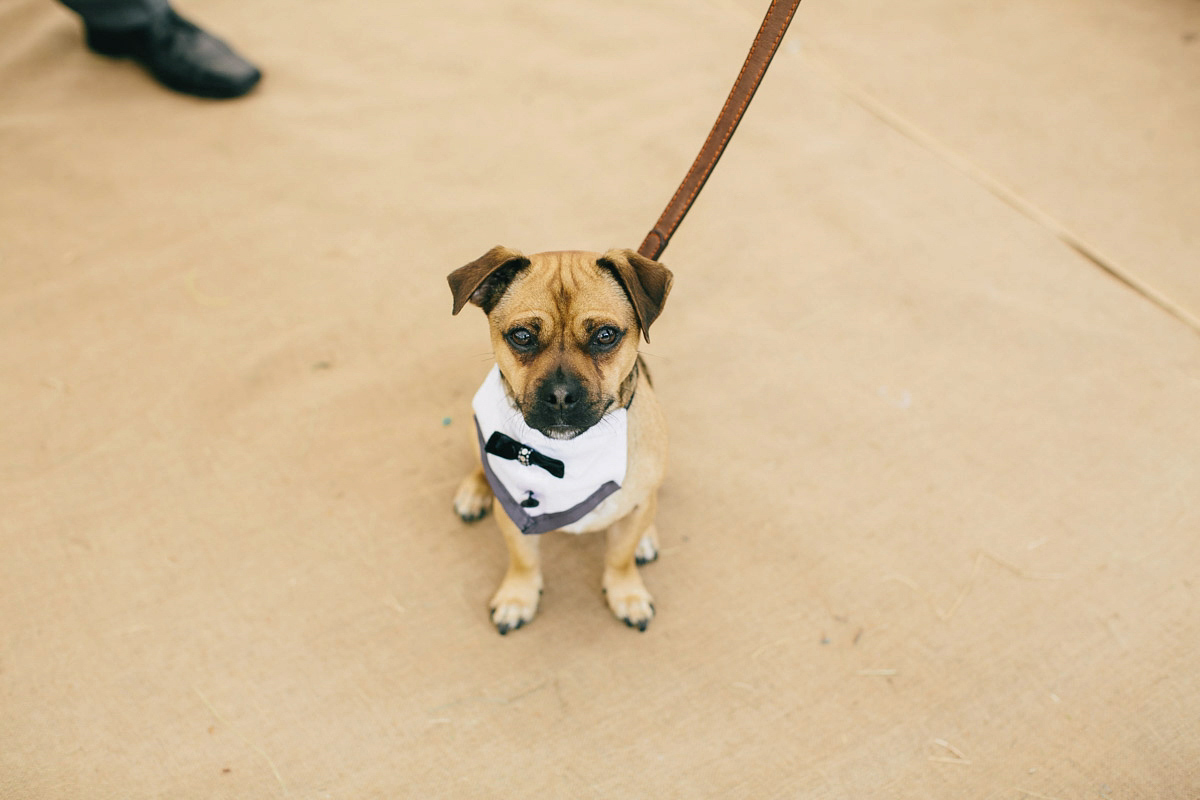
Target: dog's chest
(546, 484)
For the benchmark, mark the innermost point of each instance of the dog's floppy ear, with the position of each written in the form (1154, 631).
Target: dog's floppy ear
(646, 282)
(484, 280)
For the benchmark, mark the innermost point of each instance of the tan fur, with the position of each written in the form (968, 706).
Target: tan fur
(566, 296)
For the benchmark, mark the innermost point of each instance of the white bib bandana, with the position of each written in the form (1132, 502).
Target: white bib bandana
(545, 484)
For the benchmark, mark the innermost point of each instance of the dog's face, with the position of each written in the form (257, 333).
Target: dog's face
(565, 328)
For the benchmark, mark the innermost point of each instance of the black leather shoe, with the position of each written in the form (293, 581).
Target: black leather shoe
(180, 55)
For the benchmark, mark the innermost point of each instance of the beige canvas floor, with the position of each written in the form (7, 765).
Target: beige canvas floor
(931, 529)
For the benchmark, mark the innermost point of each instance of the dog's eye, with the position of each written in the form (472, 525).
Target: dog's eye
(605, 338)
(521, 339)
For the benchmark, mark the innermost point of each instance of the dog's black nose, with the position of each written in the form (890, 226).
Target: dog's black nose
(561, 391)
(560, 396)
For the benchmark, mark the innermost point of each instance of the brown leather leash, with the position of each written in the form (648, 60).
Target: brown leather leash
(774, 25)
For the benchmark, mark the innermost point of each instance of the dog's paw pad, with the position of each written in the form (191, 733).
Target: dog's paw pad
(473, 499)
(647, 551)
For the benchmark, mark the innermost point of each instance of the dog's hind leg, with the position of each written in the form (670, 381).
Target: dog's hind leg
(474, 496)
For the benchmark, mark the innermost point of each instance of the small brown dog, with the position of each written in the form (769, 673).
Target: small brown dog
(570, 435)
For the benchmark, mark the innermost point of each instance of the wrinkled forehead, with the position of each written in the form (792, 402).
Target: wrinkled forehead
(563, 288)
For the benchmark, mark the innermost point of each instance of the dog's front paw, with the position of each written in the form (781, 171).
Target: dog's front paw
(516, 601)
(628, 599)
(473, 498)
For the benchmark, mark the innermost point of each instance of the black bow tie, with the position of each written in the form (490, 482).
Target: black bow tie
(508, 448)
